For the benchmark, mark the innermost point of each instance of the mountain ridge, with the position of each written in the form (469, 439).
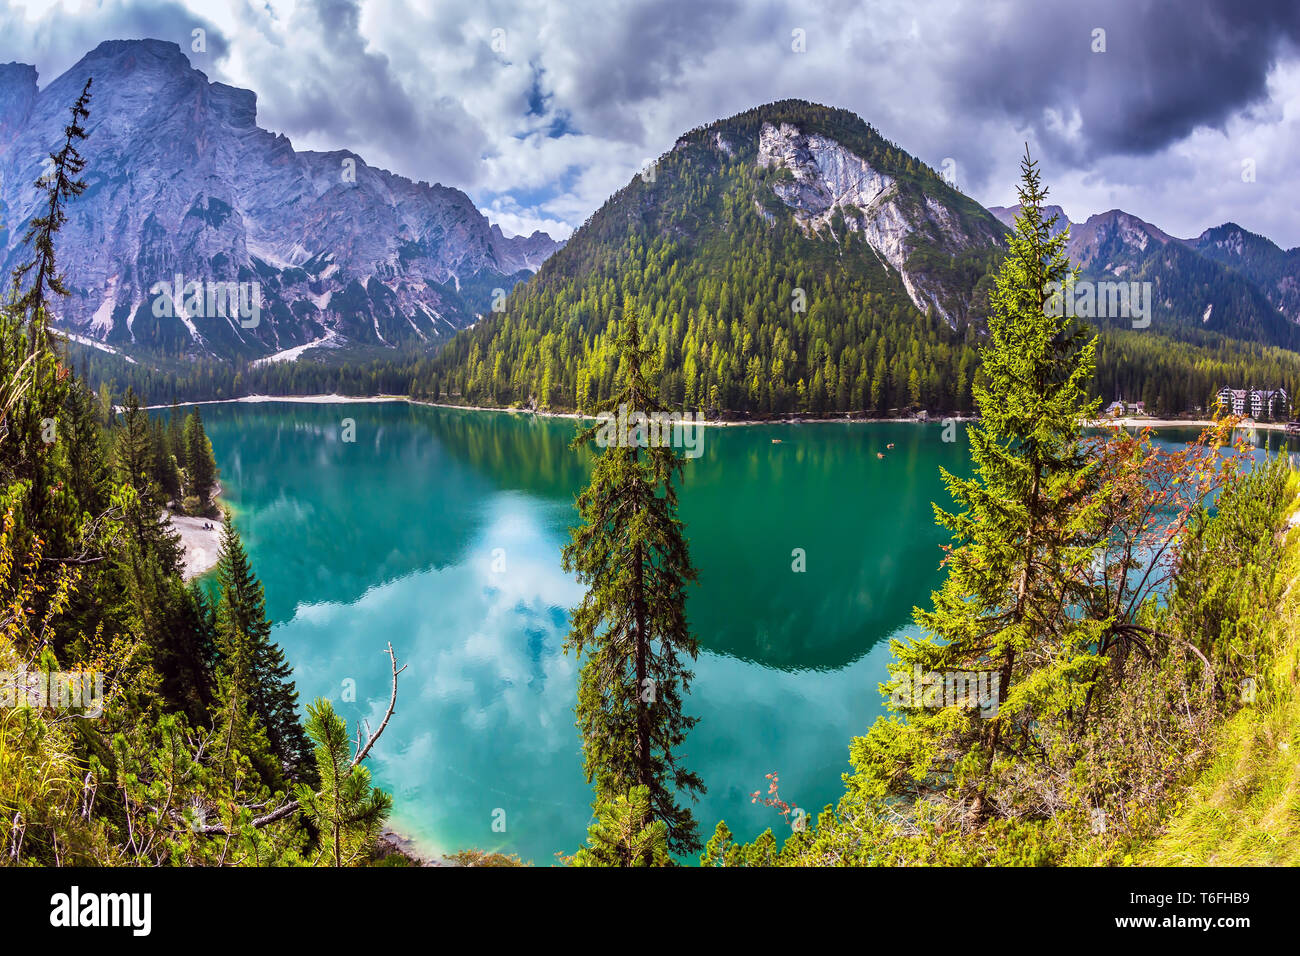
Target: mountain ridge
(772, 253)
(1205, 282)
(889, 264)
(182, 181)
(357, 260)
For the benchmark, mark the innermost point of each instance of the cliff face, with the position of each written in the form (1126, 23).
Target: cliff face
(183, 182)
(828, 180)
(17, 94)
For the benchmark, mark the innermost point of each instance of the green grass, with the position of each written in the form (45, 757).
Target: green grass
(1243, 808)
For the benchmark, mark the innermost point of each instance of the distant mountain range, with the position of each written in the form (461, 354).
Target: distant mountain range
(183, 182)
(1225, 280)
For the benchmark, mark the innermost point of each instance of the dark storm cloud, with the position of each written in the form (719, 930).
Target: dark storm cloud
(327, 82)
(1169, 67)
(646, 50)
(541, 127)
(342, 84)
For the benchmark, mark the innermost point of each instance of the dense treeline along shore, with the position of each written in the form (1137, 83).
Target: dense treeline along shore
(1135, 654)
(1126, 421)
(1176, 379)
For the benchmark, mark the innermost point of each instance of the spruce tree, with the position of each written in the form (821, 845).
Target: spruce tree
(200, 463)
(243, 634)
(1024, 529)
(59, 185)
(150, 530)
(176, 434)
(631, 628)
(165, 473)
(135, 447)
(32, 385)
(84, 445)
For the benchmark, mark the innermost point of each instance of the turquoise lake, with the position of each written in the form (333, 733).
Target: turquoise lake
(440, 530)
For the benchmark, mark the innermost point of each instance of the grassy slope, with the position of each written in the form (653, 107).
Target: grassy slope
(1243, 808)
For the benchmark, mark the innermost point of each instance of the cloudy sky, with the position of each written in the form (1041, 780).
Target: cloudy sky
(1183, 112)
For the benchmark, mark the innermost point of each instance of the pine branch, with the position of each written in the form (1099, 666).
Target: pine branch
(217, 829)
(60, 184)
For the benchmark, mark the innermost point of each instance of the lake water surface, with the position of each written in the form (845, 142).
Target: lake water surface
(440, 530)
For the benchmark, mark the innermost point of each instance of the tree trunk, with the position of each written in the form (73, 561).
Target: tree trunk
(642, 706)
(1009, 658)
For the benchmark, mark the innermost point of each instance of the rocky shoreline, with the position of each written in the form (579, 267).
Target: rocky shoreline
(392, 843)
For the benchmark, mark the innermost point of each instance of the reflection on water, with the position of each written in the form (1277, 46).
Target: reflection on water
(440, 531)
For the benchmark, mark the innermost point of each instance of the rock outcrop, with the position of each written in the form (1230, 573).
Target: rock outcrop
(183, 182)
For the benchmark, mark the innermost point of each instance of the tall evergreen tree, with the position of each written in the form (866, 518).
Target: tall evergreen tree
(142, 510)
(59, 185)
(84, 445)
(631, 553)
(176, 433)
(200, 463)
(166, 473)
(1023, 532)
(243, 634)
(33, 385)
(135, 447)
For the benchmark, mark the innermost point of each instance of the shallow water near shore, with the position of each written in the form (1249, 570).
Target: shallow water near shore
(440, 530)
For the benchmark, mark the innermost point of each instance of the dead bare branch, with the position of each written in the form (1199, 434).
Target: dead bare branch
(280, 813)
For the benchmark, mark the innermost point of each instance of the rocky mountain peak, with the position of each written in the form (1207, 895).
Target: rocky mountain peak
(1007, 216)
(1113, 234)
(184, 183)
(527, 253)
(825, 182)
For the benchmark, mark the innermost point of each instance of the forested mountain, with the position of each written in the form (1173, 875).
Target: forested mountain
(790, 260)
(1274, 271)
(182, 182)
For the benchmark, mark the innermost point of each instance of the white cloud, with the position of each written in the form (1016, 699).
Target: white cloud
(541, 110)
